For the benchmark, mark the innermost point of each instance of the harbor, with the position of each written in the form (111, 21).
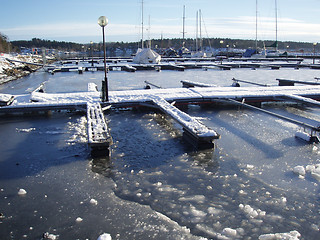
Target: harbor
(202, 124)
(149, 158)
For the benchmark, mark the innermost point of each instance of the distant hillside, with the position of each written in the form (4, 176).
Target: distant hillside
(39, 43)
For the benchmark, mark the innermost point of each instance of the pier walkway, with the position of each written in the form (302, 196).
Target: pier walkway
(99, 138)
(163, 99)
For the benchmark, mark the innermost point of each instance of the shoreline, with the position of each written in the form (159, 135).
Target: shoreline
(10, 71)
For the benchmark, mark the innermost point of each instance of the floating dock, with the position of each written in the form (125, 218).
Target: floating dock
(99, 138)
(288, 82)
(194, 131)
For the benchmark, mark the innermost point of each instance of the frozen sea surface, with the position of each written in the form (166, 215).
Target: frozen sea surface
(154, 185)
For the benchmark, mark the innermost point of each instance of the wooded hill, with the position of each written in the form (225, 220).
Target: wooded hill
(156, 43)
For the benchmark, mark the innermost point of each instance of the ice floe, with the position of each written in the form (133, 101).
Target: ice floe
(22, 191)
(293, 235)
(105, 236)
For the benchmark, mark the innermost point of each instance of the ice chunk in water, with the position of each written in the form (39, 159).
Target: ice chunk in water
(22, 192)
(94, 202)
(299, 170)
(105, 236)
(293, 235)
(229, 232)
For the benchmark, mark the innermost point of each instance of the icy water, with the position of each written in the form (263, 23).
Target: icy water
(154, 185)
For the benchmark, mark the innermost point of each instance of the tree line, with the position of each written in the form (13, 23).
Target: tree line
(176, 43)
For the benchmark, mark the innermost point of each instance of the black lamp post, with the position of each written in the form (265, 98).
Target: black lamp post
(91, 43)
(103, 21)
(314, 51)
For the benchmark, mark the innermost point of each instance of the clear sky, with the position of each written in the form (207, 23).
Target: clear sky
(76, 20)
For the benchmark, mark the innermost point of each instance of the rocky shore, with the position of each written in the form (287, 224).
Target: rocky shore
(16, 66)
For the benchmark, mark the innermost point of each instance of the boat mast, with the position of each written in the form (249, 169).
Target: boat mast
(276, 25)
(256, 25)
(142, 24)
(149, 39)
(183, 23)
(197, 31)
(200, 30)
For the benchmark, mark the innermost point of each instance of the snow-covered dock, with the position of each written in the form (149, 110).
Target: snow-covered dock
(288, 82)
(99, 138)
(194, 131)
(162, 99)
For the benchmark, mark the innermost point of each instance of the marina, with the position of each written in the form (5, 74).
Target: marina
(163, 99)
(153, 151)
(114, 129)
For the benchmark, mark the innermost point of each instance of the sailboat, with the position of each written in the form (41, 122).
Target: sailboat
(145, 55)
(265, 52)
(199, 51)
(183, 51)
(274, 52)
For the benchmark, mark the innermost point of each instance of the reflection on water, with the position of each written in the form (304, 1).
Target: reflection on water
(102, 165)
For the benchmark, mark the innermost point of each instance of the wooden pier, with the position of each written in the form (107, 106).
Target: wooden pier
(99, 138)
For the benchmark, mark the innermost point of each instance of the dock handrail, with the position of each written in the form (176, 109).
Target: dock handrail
(253, 83)
(313, 128)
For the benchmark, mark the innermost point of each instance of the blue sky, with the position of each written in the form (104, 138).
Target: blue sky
(76, 20)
